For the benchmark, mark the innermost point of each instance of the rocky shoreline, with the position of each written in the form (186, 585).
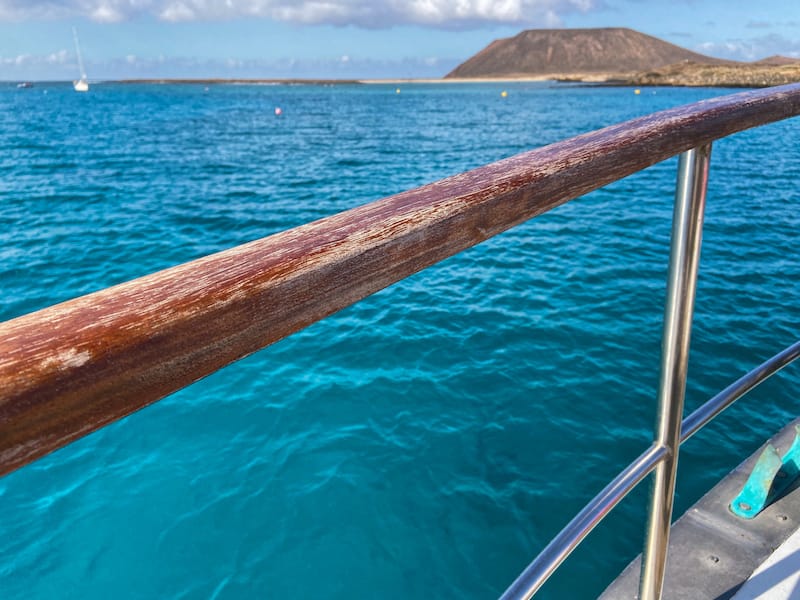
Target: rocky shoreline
(691, 74)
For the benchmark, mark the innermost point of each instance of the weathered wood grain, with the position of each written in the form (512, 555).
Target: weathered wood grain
(72, 368)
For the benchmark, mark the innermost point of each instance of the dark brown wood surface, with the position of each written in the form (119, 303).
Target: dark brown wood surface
(70, 369)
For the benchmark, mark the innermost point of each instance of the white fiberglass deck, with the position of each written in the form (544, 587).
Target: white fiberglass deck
(778, 578)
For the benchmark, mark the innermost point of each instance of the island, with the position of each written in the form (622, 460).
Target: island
(617, 56)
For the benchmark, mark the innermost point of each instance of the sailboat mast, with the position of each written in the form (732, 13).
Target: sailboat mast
(78, 52)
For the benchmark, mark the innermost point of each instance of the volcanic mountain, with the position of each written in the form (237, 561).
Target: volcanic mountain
(540, 52)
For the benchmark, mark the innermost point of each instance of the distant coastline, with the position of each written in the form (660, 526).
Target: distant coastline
(215, 81)
(674, 76)
(687, 74)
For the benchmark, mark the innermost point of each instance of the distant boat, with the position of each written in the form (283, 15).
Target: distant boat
(24, 84)
(82, 84)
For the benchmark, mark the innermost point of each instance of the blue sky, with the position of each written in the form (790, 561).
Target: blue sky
(349, 38)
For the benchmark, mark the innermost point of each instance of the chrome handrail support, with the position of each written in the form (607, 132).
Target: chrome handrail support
(661, 457)
(687, 228)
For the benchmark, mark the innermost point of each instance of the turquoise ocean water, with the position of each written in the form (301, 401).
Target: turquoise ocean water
(428, 441)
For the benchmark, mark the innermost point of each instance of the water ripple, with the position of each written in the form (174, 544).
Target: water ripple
(427, 441)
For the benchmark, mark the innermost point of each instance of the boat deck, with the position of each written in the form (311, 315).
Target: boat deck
(778, 578)
(712, 552)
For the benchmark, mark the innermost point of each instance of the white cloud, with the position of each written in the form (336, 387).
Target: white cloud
(107, 12)
(178, 11)
(58, 58)
(61, 66)
(29, 60)
(364, 13)
(752, 48)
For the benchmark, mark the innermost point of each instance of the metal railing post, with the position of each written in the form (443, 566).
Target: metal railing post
(687, 228)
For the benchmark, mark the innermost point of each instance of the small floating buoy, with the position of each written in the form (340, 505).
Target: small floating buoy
(278, 111)
(504, 94)
(397, 91)
(637, 92)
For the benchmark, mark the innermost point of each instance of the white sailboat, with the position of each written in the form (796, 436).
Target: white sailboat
(82, 84)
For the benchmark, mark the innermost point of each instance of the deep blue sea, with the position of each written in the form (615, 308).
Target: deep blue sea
(428, 441)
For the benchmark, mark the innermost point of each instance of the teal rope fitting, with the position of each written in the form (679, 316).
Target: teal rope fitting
(769, 479)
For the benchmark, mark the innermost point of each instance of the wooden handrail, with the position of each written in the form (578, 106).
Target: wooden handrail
(70, 369)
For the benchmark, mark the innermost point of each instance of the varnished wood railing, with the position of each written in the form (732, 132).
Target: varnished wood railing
(68, 370)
